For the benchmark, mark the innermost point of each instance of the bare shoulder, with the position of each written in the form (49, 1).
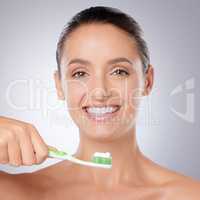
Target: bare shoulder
(179, 186)
(175, 185)
(31, 185)
(8, 182)
(54, 171)
(184, 188)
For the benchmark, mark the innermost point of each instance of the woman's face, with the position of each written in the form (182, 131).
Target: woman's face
(101, 67)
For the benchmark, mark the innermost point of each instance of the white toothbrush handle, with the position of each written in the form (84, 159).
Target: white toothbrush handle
(81, 162)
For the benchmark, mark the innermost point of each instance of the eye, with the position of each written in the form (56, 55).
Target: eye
(121, 71)
(78, 74)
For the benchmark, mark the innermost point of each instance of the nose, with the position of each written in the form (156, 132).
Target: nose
(99, 89)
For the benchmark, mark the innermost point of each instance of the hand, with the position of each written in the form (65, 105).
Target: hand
(21, 144)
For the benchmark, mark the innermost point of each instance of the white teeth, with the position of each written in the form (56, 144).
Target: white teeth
(101, 110)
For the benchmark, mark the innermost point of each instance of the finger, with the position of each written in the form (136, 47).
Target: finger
(4, 158)
(40, 147)
(14, 152)
(52, 148)
(27, 149)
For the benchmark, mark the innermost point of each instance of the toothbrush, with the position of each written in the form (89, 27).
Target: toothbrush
(101, 160)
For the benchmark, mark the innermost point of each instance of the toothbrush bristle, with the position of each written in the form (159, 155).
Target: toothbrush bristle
(101, 160)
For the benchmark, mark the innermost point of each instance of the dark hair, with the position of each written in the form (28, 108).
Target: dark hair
(105, 15)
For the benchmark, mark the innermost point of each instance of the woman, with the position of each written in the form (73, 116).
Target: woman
(103, 72)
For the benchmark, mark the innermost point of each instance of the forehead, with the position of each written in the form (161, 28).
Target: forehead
(99, 41)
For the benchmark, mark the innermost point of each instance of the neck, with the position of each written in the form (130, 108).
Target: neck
(126, 160)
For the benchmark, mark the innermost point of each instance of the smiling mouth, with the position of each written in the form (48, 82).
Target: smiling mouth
(101, 113)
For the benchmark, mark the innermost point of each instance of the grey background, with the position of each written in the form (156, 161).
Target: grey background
(29, 31)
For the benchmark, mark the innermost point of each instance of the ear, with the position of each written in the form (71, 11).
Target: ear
(58, 85)
(149, 80)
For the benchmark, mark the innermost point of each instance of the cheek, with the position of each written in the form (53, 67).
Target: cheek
(132, 94)
(75, 91)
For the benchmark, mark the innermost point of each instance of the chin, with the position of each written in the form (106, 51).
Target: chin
(101, 136)
(107, 129)
(102, 133)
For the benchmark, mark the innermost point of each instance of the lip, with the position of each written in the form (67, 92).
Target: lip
(103, 118)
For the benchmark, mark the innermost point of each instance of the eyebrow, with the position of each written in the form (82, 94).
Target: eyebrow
(112, 61)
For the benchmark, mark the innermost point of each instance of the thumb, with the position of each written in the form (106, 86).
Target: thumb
(52, 148)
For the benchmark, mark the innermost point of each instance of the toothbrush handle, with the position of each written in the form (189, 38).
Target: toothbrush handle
(64, 156)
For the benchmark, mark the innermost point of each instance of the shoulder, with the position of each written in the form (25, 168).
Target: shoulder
(8, 183)
(6, 180)
(184, 188)
(181, 187)
(54, 171)
(32, 185)
(175, 185)
(52, 175)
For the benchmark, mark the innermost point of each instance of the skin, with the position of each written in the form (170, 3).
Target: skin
(133, 175)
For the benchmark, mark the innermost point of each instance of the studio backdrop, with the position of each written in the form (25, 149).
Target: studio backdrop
(168, 121)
